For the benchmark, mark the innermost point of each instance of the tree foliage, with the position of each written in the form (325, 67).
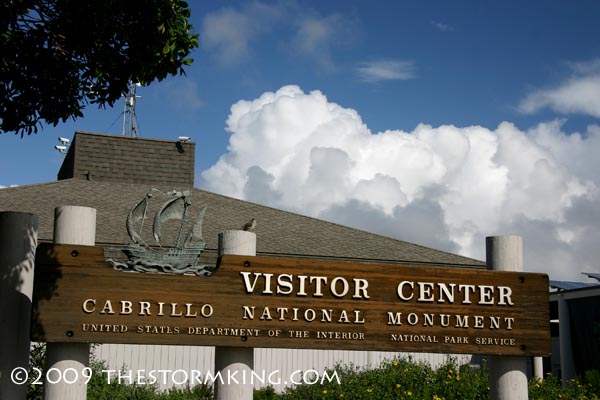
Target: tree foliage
(57, 56)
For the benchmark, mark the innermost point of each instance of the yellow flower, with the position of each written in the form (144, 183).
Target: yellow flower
(369, 390)
(397, 385)
(395, 363)
(409, 393)
(325, 391)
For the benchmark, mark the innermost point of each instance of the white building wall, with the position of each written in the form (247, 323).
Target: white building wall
(282, 361)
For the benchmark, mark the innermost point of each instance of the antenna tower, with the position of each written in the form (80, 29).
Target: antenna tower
(130, 126)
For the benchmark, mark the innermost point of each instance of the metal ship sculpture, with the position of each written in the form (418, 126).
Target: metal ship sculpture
(183, 257)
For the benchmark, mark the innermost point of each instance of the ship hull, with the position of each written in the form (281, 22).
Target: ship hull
(169, 261)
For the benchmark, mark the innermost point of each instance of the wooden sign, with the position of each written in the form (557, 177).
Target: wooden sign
(291, 303)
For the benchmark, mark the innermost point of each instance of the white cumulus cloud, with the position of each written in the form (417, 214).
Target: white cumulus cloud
(446, 187)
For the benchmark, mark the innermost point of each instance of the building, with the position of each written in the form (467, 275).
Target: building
(113, 173)
(575, 328)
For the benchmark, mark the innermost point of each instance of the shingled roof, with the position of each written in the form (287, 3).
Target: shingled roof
(279, 233)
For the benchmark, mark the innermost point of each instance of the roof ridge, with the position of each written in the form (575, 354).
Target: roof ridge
(120, 137)
(377, 235)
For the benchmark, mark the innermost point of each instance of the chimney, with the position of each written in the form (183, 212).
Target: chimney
(127, 159)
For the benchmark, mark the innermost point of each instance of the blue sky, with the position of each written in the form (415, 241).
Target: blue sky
(437, 75)
(469, 63)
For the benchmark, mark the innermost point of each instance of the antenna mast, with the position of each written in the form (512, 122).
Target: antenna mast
(130, 126)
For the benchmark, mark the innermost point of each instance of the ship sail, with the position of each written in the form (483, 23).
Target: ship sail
(137, 215)
(195, 234)
(172, 209)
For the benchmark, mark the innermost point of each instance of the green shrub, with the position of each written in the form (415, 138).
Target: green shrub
(37, 359)
(397, 379)
(585, 387)
(267, 393)
(406, 379)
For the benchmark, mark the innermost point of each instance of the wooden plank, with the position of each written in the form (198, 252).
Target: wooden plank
(292, 303)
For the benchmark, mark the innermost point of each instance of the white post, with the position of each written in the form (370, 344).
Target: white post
(18, 240)
(567, 364)
(72, 225)
(538, 368)
(236, 362)
(508, 374)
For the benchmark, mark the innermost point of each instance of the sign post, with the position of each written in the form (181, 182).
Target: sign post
(18, 241)
(235, 361)
(508, 374)
(567, 363)
(72, 225)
